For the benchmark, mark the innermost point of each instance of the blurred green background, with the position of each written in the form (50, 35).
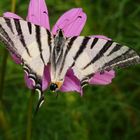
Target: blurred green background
(104, 112)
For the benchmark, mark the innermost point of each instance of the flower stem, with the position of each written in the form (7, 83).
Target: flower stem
(3, 72)
(4, 123)
(29, 117)
(13, 7)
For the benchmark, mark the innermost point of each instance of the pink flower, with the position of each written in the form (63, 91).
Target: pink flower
(72, 23)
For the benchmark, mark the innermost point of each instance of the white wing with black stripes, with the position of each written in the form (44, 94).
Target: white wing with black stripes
(30, 43)
(86, 56)
(36, 47)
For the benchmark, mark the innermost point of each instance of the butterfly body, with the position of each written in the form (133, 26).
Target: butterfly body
(57, 58)
(36, 47)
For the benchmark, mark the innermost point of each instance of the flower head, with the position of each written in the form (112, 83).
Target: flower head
(72, 23)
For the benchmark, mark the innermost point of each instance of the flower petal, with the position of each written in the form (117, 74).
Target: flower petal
(71, 83)
(46, 77)
(38, 13)
(71, 22)
(107, 76)
(11, 15)
(102, 79)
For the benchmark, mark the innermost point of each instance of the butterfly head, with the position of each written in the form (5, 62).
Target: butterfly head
(54, 86)
(60, 33)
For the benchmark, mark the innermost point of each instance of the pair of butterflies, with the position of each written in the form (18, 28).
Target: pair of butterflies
(36, 47)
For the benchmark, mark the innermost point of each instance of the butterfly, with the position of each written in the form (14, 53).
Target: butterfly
(37, 47)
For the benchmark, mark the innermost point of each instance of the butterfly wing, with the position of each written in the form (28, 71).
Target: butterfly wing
(86, 56)
(30, 43)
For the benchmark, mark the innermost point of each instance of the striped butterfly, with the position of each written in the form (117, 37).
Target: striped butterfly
(37, 48)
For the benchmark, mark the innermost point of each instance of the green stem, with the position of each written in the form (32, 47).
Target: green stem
(4, 124)
(13, 7)
(29, 117)
(3, 72)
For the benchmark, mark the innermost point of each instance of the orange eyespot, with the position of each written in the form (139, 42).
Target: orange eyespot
(59, 84)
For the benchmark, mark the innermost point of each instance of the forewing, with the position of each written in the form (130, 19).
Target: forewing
(86, 56)
(30, 43)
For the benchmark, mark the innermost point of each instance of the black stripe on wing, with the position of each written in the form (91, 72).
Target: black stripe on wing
(29, 27)
(100, 53)
(5, 38)
(20, 34)
(49, 41)
(8, 22)
(94, 42)
(38, 40)
(115, 49)
(67, 50)
(81, 49)
(125, 59)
